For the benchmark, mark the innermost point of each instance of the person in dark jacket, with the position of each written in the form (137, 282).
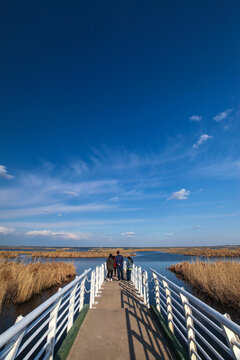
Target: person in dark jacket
(119, 262)
(110, 267)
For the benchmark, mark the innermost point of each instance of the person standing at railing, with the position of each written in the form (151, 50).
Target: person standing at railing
(115, 266)
(129, 268)
(119, 262)
(110, 267)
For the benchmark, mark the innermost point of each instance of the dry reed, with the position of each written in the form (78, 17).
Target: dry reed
(60, 253)
(207, 252)
(219, 280)
(19, 282)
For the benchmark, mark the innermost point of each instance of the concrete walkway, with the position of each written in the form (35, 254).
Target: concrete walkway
(120, 328)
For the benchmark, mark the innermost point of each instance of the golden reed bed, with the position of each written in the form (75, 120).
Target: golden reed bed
(61, 253)
(207, 252)
(19, 282)
(219, 281)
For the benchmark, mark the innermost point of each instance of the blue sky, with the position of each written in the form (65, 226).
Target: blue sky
(119, 123)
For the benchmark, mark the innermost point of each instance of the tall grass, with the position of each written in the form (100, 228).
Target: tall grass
(61, 253)
(219, 280)
(19, 282)
(208, 252)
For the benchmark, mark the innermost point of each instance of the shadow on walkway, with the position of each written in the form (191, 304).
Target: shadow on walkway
(143, 333)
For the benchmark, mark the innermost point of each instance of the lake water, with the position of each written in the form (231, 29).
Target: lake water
(159, 261)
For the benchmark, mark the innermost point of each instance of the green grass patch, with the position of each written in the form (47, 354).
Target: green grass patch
(170, 337)
(69, 339)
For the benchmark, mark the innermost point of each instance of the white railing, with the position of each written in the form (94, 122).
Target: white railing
(97, 278)
(37, 334)
(207, 333)
(140, 281)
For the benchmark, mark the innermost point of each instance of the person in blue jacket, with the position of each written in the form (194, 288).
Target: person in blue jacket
(119, 262)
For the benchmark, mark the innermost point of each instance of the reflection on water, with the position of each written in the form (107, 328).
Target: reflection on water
(159, 261)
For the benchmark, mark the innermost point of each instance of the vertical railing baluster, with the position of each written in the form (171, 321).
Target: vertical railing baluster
(157, 292)
(145, 288)
(169, 306)
(92, 291)
(231, 338)
(16, 341)
(82, 293)
(140, 281)
(71, 308)
(190, 328)
(52, 325)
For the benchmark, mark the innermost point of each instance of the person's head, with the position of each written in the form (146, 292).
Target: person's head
(118, 252)
(114, 257)
(110, 256)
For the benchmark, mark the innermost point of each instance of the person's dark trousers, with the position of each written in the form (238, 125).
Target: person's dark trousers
(110, 274)
(129, 274)
(115, 271)
(120, 272)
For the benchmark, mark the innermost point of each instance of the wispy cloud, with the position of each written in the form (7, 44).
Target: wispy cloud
(169, 234)
(225, 169)
(129, 234)
(197, 227)
(71, 193)
(4, 173)
(202, 139)
(6, 231)
(115, 198)
(222, 115)
(55, 234)
(54, 209)
(180, 195)
(196, 118)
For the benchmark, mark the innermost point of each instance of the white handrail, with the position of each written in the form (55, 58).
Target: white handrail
(190, 305)
(57, 314)
(25, 321)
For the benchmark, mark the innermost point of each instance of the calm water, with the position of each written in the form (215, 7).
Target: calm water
(154, 259)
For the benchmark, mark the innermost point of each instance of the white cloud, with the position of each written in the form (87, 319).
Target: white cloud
(4, 174)
(201, 140)
(169, 234)
(5, 231)
(54, 234)
(222, 115)
(197, 227)
(72, 193)
(180, 195)
(115, 198)
(196, 118)
(129, 234)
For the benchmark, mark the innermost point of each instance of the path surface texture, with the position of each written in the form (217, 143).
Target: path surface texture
(119, 328)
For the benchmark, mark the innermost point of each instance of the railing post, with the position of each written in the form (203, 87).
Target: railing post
(145, 289)
(169, 306)
(157, 292)
(97, 280)
(192, 348)
(82, 292)
(16, 341)
(71, 308)
(103, 273)
(52, 325)
(92, 291)
(232, 340)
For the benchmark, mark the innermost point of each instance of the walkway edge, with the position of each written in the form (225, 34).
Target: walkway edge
(172, 340)
(69, 339)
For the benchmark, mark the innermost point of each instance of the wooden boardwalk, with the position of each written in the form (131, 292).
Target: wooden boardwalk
(120, 328)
